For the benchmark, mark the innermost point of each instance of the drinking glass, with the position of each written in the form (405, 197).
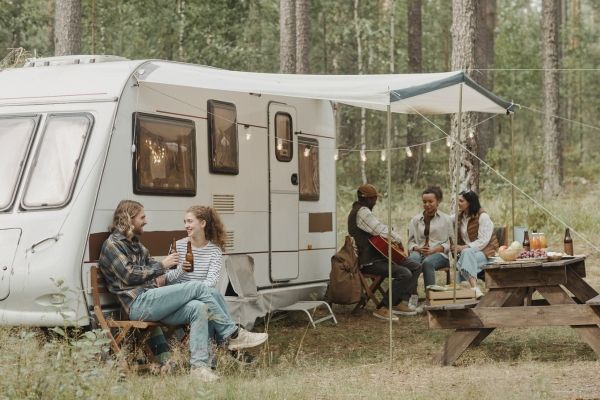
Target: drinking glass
(535, 241)
(543, 242)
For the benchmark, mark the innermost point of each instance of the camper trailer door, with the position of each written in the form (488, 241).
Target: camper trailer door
(283, 192)
(9, 241)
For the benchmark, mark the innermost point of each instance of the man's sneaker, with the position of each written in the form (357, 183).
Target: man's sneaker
(384, 313)
(204, 374)
(413, 301)
(246, 339)
(478, 292)
(403, 308)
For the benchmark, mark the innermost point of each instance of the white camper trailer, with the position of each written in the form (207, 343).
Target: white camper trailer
(78, 134)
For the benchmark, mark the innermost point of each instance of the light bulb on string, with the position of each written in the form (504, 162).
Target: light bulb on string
(336, 155)
(471, 135)
(409, 152)
(428, 148)
(307, 151)
(363, 156)
(248, 136)
(448, 141)
(383, 157)
(279, 144)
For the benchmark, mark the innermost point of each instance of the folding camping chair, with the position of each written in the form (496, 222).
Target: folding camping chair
(371, 284)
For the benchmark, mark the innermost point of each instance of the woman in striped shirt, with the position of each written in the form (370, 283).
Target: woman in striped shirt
(207, 235)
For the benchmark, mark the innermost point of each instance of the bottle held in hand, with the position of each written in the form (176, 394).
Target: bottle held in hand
(173, 248)
(189, 256)
(568, 242)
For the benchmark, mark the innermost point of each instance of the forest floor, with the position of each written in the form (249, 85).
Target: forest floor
(350, 360)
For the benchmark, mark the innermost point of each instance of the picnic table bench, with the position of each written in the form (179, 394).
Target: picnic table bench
(508, 304)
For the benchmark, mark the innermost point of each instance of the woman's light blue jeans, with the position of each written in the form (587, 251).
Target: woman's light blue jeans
(470, 262)
(190, 303)
(430, 264)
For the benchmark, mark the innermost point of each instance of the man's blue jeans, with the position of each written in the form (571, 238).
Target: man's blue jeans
(190, 303)
(430, 264)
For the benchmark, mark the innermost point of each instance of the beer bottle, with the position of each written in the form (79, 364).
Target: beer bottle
(189, 256)
(173, 246)
(526, 244)
(568, 242)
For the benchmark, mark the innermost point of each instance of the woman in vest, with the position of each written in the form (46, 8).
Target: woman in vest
(476, 239)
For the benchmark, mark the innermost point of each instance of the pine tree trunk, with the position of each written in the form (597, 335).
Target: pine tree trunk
(363, 112)
(550, 45)
(287, 36)
(67, 27)
(485, 58)
(465, 15)
(302, 36)
(415, 64)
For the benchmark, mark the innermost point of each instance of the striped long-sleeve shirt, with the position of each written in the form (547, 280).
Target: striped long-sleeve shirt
(207, 264)
(128, 268)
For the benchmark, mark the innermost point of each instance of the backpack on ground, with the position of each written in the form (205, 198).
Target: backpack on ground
(344, 281)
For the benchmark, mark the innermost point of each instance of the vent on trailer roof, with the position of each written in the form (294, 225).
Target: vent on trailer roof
(70, 60)
(224, 203)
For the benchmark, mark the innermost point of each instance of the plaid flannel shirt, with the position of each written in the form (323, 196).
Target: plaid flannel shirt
(128, 268)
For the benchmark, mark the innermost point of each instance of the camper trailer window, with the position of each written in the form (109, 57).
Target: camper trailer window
(57, 160)
(15, 139)
(283, 137)
(165, 157)
(308, 169)
(222, 138)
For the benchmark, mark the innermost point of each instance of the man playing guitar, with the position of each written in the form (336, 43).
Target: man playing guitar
(362, 224)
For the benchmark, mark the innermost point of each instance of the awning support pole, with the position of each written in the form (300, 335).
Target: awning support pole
(388, 145)
(457, 160)
(512, 174)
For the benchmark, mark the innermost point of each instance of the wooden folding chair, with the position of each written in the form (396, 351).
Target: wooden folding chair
(370, 284)
(122, 327)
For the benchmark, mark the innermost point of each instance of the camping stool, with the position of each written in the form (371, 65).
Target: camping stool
(369, 289)
(310, 305)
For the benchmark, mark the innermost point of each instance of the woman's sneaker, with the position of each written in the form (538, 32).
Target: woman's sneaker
(245, 339)
(204, 374)
(478, 292)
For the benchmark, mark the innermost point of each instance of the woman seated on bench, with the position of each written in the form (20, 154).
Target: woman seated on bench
(476, 239)
(428, 234)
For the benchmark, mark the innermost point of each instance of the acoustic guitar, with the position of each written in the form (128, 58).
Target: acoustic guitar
(381, 245)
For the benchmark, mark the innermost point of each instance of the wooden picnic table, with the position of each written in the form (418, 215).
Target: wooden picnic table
(508, 303)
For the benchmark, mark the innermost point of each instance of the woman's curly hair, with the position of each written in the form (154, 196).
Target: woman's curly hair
(214, 229)
(124, 214)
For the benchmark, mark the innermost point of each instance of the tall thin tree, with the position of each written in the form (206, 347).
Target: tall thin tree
(302, 36)
(551, 45)
(287, 36)
(363, 111)
(414, 133)
(464, 42)
(67, 27)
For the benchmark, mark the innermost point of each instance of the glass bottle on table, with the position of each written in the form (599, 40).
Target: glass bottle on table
(568, 242)
(189, 256)
(526, 244)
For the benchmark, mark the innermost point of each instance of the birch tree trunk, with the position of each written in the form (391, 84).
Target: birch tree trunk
(363, 112)
(465, 15)
(415, 64)
(302, 35)
(485, 60)
(181, 35)
(67, 27)
(550, 45)
(287, 36)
